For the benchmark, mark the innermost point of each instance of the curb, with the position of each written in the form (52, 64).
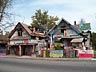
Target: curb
(49, 59)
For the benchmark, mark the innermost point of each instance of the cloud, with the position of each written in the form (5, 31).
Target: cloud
(49, 2)
(69, 9)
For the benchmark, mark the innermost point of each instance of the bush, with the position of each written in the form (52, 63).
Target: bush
(58, 47)
(47, 53)
(94, 54)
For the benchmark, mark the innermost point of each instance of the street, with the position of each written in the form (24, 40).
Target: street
(29, 65)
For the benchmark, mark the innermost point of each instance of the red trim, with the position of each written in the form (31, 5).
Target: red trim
(86, 55)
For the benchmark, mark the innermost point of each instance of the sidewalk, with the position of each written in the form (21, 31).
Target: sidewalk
(50, 59)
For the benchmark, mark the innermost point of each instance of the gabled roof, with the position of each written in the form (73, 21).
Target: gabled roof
(24, 26)
(27, 29)
(71, 26)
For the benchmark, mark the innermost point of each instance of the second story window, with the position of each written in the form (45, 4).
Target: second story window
(65, 34)
(19, 32)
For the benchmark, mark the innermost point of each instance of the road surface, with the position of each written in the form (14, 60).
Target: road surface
(29, 65)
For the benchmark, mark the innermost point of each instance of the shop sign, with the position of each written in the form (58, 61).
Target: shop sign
(32, 41)
(56, 53)
(86, 53)
(23, 41)
(18, 42)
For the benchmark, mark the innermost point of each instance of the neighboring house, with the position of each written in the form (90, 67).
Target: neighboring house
(67, 34)
(3, 43)
(24, 40)
(85, 28)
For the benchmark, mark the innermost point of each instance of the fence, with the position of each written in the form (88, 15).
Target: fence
(69, 52)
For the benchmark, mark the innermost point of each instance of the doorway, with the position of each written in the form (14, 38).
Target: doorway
(23, 51)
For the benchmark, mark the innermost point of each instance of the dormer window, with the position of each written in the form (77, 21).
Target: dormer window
(19, 30)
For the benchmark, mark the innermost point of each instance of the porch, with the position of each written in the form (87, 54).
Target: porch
(21, 50)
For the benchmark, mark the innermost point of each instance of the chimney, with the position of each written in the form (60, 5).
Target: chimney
(74, 22)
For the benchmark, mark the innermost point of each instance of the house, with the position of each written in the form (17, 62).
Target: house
(3, 43)
(69, 35)
(25, 40)
(85, 28)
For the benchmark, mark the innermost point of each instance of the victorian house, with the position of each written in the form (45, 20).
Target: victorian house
(25, 40)
(70, 35)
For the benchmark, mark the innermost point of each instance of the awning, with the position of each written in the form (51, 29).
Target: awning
(77, 40)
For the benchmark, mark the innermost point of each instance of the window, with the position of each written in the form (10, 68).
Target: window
(65, 33)
(62, 29)
(20, 32)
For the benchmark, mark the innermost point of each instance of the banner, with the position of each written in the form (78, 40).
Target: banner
(86, 53)
(56, 53)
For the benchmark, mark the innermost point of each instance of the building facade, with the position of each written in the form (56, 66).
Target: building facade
(3, 44)
(24, 40)
(71, 35)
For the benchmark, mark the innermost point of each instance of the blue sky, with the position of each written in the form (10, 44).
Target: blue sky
(71, 10)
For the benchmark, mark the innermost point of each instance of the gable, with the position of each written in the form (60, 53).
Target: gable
(70, 33)
(62, 26)
(19, 32)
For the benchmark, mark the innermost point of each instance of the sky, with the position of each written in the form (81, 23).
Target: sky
(70, 10)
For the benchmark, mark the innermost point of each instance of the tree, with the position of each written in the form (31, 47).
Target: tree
(4, 4)
(5, 15)
(93, 38)
(6, 32)
(43, 20)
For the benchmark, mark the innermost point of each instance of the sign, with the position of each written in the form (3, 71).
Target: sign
(56, 53)
(85, 26)
(86, 53)
(32, 41)
(23, 41)
(18, 42)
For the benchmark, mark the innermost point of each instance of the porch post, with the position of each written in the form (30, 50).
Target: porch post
(44, 52)
(33, 49)
(33, 52)
(7, 49)
(19, 50)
